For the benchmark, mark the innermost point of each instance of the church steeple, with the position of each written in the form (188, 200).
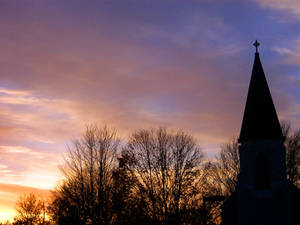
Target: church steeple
(260, 120)
(262, 195)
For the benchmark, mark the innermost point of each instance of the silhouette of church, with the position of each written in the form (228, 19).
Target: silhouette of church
(263, 195)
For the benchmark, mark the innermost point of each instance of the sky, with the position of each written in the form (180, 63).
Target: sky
(133, 64)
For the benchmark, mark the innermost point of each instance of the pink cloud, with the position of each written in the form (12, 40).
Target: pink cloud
(292, 6)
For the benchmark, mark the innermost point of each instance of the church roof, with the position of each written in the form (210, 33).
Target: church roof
(260, 120)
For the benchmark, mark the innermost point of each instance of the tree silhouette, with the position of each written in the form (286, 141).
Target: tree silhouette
(158, 177)
(30, 210)
(84, 197)
(222, 172)
(166, 166)
(292, 143)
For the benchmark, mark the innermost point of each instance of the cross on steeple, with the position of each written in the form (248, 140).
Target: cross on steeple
(256, 44)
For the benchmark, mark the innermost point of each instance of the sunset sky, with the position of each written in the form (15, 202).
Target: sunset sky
(182, 64)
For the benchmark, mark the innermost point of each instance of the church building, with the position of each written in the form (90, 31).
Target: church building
(263, 195)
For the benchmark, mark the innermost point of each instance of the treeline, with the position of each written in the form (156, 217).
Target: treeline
(156, 177)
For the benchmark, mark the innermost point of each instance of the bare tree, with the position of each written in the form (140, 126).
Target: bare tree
(218, 179)
(166, 166)
(30, 210)
(221, 173)
(88, 169)
(292, 143)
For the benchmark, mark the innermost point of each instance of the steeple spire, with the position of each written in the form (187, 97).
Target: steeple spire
(260, 120)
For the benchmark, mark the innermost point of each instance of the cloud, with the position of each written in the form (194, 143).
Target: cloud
(291, 6)
(290, 54)
(22, 165)
(283, 51)
(126, 82)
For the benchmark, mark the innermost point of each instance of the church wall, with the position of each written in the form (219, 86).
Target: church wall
(274, 152)
(263, 204)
